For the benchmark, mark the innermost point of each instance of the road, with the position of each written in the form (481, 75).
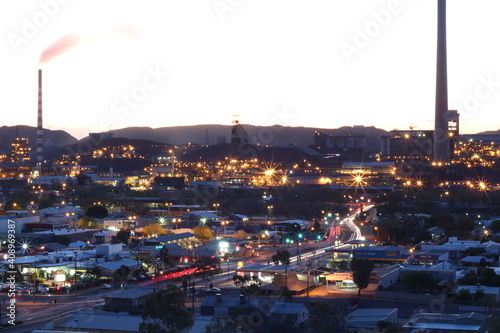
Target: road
(36, 315)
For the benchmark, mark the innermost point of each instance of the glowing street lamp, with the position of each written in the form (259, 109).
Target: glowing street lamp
(224, 224)
(216, 206)
(270, 211)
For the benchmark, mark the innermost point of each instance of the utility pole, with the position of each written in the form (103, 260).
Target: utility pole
(35, 277)
(76, 257)
(157, 274)
(193, 291)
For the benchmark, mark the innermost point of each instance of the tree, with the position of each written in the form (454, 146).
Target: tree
(97, 211)
(495, 226)
(281, 257)
(486, 275)
(121, 236)
(154, 230)
(165, 259)
(384, 326)
(203, 232)
(469, 279)
(465, 226)
(249, 285)
(165, 312)
(240, 234)
(464, 295)
(361, 272)
(87, 222)
(479, 294)
(95, 273)
(447, 222)
(493, 325)
(325, 317)
(122, 273)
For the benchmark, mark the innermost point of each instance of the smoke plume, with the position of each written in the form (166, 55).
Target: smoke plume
(60, 46)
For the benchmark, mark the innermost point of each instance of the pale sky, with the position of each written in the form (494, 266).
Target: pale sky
(317, 63)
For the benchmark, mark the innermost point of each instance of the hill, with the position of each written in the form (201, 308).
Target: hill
(51, 138)
(263, 135)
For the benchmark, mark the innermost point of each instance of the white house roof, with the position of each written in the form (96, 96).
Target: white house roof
(101, 321)
(206, 215)
(486, 290)
(287, 308)
(476, 259)
(114, 265)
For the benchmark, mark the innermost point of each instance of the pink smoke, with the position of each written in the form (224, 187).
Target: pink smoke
(127, 30)
(60, 46)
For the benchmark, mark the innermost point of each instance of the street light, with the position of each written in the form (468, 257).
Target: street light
(191, 248)
(216, 206)
(224, 223)
(157, 274)
(263, 235)
(270, 211)
(299, 238)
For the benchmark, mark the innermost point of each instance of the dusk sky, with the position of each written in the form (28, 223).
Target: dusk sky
(319, 63)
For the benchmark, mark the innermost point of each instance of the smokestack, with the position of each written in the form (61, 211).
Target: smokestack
(39, 130)
(441, 139)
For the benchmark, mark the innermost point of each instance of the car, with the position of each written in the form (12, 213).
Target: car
(213, 291)
(106, 286)
(43, 288)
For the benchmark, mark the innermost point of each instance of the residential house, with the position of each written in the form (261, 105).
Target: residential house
(127, 300)
(294, 313)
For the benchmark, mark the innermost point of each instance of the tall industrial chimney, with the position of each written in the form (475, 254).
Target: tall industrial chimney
(39, 129)
(441, 139)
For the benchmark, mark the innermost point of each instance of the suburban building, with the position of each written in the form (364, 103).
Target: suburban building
(446, 323)
(367, 319)
(94, 321)
(127, 300)
(295, 313)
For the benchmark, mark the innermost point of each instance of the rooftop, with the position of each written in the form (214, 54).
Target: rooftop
(132, 293)
(100, 321)
(287, 308)
(174, 237)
